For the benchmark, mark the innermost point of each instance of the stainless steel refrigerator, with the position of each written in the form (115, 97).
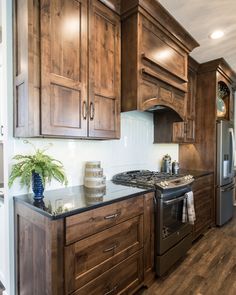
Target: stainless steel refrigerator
(225, 172)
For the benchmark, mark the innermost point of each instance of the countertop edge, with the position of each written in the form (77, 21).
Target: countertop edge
(80, 210)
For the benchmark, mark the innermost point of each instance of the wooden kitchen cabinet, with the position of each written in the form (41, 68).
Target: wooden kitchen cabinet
(104, 71)
(63, 37)
(106, 250)
(203, 191)
(184, 132)
(155, 52)
(67, 69)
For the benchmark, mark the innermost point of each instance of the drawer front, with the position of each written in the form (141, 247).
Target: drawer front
(88, 258)
(85, 224)
(121, 279)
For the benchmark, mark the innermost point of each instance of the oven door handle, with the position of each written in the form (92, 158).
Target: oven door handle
(170, 202)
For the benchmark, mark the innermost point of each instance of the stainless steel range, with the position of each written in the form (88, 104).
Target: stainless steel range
(173, 236)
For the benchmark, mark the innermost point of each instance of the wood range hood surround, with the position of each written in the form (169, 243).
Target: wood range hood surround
(155, 49)
(155, 67)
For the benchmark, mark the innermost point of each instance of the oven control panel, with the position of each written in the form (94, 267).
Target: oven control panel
(172, 183)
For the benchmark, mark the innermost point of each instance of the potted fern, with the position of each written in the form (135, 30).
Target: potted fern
(37, 169)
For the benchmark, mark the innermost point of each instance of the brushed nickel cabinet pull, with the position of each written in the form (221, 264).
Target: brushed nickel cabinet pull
(110, 249)
(111, 291)
(112, 216)
(84, 110)
(92, 110)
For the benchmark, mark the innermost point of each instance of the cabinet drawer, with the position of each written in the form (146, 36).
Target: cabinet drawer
(121, 279)
(88, 258)
(85, 224)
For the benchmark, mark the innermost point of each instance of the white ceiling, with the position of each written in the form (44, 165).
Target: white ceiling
(200, 18)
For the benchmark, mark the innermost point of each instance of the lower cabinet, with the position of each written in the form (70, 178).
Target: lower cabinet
(203, 190)
(121, 279)
(107, 250)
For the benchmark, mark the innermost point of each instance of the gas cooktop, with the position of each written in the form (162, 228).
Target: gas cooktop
(152, 179)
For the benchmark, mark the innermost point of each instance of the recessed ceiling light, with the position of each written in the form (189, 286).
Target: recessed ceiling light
(217, 34)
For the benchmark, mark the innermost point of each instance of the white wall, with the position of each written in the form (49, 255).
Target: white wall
(135, 150)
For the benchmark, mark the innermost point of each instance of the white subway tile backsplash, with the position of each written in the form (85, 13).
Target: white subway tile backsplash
(135, 150)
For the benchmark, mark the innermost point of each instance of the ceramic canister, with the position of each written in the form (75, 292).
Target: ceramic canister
(93, 164)
(93, 172)
(95, 182)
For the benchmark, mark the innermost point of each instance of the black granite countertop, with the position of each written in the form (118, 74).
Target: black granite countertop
(72, 200)
(195, 173)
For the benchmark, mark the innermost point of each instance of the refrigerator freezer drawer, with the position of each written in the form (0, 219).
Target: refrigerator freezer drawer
(224, 204)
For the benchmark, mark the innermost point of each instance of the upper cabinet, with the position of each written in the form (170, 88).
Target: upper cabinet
(67, 69)
(221, 84)
(63, 64)
(104, 72)
(184, 132)
(155, 52)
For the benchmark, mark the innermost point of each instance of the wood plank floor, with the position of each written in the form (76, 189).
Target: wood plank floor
(208, 269)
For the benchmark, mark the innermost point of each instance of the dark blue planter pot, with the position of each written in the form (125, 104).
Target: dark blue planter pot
(37, 186)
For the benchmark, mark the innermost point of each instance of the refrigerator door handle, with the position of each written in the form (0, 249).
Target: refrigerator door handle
(228, 189)
(231, 132)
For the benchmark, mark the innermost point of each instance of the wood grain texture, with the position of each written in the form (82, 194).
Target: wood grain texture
(88, 258)
(39, 251)
(104, 71)
(63, 34)
(26, 68)
(209, 267)
(154, 62)
(203, 191)
(88, 223)
(149, 219)
(202, 153)
(121, 279)
(184, 132)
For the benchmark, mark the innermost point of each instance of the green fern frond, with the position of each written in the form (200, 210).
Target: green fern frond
(46, 166)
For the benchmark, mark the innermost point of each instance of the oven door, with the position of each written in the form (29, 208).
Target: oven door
(170, 228)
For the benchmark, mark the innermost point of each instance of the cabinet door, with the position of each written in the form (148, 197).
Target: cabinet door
(178, 132)
(203, 191)
(26, 68)
(104, 72)
(63, 67)
(190, 131)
